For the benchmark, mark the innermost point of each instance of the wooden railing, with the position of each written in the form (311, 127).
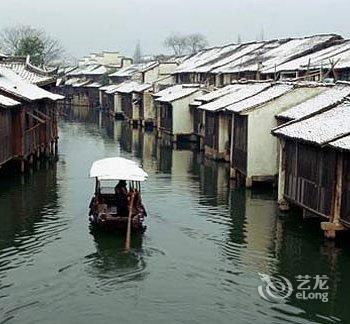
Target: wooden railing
(33, 138)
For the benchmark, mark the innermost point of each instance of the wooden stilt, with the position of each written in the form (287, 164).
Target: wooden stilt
(330, 228)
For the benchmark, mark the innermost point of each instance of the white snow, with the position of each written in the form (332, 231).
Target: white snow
(261, 98)
(242, 91)
(273, 53)
(127, 87)
(320, 129)
(329, 97)
(176, 92)
(218, 93)
(93, 85)
(23, 70)
(8, 102)
(317, 59)
(10, 82)
(108, 87)
(193, 62)
(129, 71)
(342, 143)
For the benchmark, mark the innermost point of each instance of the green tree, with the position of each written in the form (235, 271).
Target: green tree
(24, 40)
(33, 46)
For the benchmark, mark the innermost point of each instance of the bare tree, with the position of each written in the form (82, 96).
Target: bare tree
(22, 40)
(196, 42)
(177, 43)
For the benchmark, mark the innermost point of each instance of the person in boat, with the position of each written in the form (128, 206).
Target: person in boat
(137, 207)
(121, 198)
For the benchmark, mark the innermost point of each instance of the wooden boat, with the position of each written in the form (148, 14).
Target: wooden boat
(117, 195)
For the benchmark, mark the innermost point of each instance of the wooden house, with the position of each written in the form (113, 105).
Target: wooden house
(333, 95)
(147, 72)
(140, 72)
(330, 62)
(254, 151)
(173, 112)
(103, 96)
(28, 119)
(314, 166)
(82, 83)
(44, 78)
(220, 66)
(216, 121)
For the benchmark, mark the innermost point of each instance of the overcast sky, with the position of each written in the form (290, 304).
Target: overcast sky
(90, 25)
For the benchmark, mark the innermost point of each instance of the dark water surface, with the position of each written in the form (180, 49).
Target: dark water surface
(198, 262)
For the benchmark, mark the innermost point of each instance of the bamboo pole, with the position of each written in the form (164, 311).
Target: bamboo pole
(128, 230)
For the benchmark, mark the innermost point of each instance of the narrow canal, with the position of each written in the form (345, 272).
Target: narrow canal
(198, 262)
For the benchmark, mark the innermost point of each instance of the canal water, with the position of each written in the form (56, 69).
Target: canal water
(200, 260)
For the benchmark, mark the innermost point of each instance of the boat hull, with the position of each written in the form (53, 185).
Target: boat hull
(120, 224)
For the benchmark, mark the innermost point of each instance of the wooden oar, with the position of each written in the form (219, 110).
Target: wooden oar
(128, 231)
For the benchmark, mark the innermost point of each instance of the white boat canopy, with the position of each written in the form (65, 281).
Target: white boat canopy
(117, 168)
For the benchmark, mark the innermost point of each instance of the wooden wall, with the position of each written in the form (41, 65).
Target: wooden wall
(240, 143)
(211, 138)
(310, 176)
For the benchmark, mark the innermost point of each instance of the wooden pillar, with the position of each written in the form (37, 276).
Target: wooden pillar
(22, 165)
(282, 203)
(232, 170)
(330, 228)
(56, 147)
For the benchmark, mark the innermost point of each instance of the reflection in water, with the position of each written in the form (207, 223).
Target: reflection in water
(198, 261)
(111, 265)
(29, 207)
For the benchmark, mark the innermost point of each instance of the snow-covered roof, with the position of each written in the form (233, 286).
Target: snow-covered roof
(319, 129)
(217, 93)
(205, 60)
(129, 71)
(72, 81)
(176, 92)
(142, 87)
(100, 70)
(331, 96)
(8, 102)
(127, 87)
(28, 72)
(13, 84)
(108, 87)
(275, 52)
(316, 59)
(80, 83)
(342, 143)
(260, 98)
(112, 89)
(117, 168)
(93, 85)
(240, 92)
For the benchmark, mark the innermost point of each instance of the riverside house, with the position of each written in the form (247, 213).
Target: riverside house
(173, 112)
(217, 121)
(254, 153)
(219, 66)
(28, 120)
(314, 166)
